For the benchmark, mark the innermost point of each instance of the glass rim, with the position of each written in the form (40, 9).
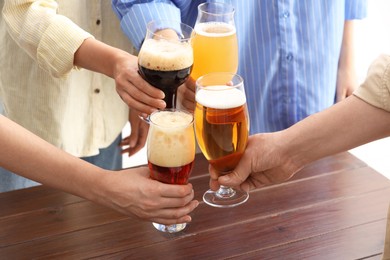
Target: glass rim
(182, 25)
(171, 110)
(217, 4)
(234, 75)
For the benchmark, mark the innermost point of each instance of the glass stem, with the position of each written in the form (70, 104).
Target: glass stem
(225, 192)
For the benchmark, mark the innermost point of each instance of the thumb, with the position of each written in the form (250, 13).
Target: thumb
(237, 176)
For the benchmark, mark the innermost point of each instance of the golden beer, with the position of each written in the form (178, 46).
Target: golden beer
(215, 49)
(221, 125)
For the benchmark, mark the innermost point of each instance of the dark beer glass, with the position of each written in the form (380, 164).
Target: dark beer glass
(171, 151)
(222, 129)
(165, 60)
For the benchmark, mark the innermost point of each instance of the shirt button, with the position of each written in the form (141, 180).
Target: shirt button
(98, 22)
(97, 91)
(289, 57)
(286, 14)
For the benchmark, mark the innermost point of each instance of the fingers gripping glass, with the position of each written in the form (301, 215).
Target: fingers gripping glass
(165, 59)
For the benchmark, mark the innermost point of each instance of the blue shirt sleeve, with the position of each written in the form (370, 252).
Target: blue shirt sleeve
(355, 9)
(134, 15)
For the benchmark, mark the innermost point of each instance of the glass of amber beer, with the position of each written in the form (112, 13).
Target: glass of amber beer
(222, 129)
(166, 57)
(171, 151)
(215, 41)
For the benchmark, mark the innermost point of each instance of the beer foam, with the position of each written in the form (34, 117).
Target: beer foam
(165, 55)
(215, 29)
(220, 97)
(171, 141)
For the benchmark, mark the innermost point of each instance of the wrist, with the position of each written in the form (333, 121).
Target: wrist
(292, 151)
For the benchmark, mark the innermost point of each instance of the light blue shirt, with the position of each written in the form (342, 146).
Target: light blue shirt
(288, 50)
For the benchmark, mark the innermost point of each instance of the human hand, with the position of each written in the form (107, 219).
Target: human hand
(262, 164)
(133, 89)
(133, 193)
(186, 95)
(138, 134)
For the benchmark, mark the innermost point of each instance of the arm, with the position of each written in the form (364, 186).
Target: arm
(276, 157)
(346, 73)
(58, 45)
(361, 118)
(123, 67)
(130, 192)
(142, 12)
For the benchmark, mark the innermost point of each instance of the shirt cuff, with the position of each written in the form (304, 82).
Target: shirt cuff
(355, 9)
(375, 90)
(55, 53)
(133, 23)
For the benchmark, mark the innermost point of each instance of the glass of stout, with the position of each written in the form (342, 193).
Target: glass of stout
(171, 151)
(165, 59)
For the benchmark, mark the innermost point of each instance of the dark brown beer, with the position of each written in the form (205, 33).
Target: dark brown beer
(165, 65)
(222, 127)
(167, 81)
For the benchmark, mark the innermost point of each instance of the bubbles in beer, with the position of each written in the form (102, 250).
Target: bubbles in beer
(165, 55)
(169, 140)
(220, 97)
(215, 29)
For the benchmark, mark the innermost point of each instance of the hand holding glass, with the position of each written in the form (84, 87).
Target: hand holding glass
(171, 151)
(166, 57)
(222, 129)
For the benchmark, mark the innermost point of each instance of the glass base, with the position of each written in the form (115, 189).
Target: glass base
(225, 197)
(171, 228)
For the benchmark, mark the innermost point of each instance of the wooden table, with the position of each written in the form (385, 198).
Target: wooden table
(333, 209)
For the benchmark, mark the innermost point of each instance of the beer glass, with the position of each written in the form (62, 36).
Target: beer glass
(165, 60)
(222, 129)
(215, 41)
(171, 151)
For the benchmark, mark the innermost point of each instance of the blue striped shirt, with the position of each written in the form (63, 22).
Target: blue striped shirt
(288, 50)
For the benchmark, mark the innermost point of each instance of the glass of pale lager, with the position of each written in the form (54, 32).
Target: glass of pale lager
(215, 41)
(222, 130)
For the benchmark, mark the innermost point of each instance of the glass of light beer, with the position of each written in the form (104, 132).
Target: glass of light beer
(165, 59)
(222, 129)
(215, 41)
(171, 151)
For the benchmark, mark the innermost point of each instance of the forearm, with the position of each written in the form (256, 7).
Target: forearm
(27, 155)
(347, 52)
(347, 80)
(99, 57)
(345, 125)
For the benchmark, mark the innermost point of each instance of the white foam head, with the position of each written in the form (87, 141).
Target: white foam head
(215, 29)
(220, 97)
(165, 55)
(171, 140)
